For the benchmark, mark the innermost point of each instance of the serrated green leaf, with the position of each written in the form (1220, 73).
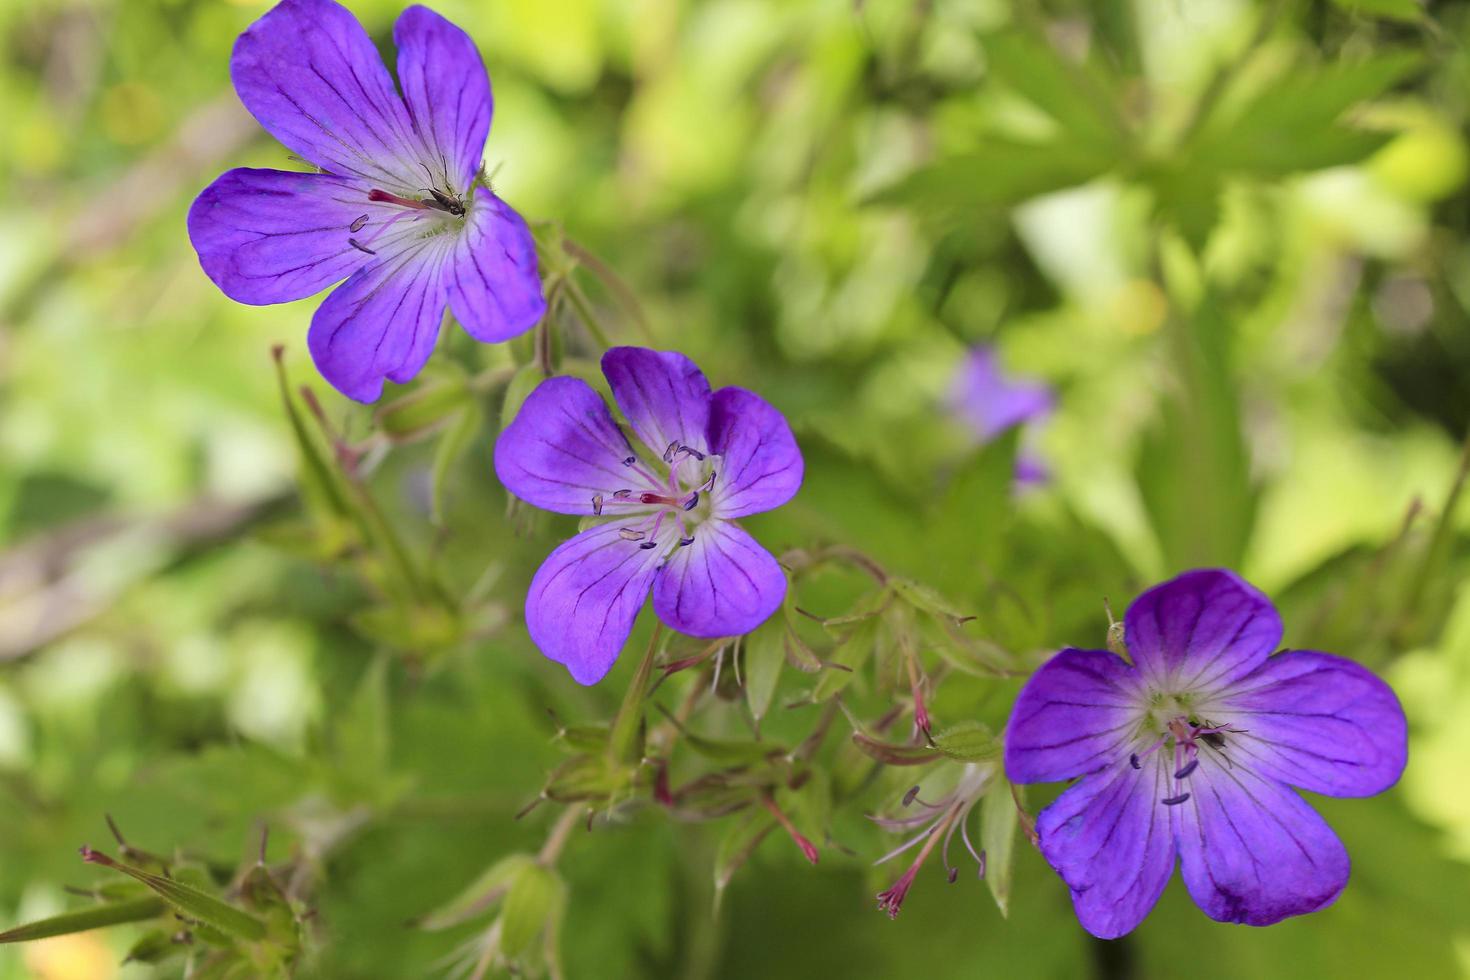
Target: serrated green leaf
(1079, 101)
(80, 920)
(1295, 125)
(999, 174)
(968, 741)
(998, 818)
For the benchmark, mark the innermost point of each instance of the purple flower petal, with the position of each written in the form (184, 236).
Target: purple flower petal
(1113, 844)
(761, 466)
(1316, 721)
(1076, 714)
(563, 449)
(1200, 630)
(662, 394)
(447, 92)
(312, 77)
(494, 286)
(723, 584)
(990, 402)
(272, 236)
(583, 600)
(382, 322)
(1252, 850)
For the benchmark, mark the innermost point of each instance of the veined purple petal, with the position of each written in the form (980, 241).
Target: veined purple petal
(273, 236)
(1113, 844)
(723, 584)
(584, 598)
(1200, 630)
(447, 92)
(1252, 850)
(563, 449)
(1316, 721)
(760, 464)
(662, 394)
(382, 322)
(312, 77)
(990, 402)
(494, 285)
(1078, 713)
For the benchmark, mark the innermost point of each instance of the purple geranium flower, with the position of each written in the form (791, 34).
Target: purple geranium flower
(398, 207)
(668, 511)
(1191, 752)
(989, 401)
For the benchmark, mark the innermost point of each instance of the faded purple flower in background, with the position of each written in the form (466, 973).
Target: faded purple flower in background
(667, 510)
(989, 402)
(1191, 752)
(395, 209)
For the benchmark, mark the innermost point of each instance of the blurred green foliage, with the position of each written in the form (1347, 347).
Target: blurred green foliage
(1234, 236)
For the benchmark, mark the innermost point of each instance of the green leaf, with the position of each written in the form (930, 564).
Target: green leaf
(191, 902)
(968, 741)
(1194, 466)
(80, 920)
(1295, 124)
(1408, 11)
(997, 175)
(998, 819)
(536, 897)
(765, 655)
(363, 729)
(1081, 102)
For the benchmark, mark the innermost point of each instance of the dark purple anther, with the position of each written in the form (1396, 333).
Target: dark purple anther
(1191, 767)
(693, 501)
(686, 542)
(1133, 761)
(1174, 800)
(648, 545)
(358, 224)
(630, 460)
(360, 246)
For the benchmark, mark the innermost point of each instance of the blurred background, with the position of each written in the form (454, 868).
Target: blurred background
(1231, 236)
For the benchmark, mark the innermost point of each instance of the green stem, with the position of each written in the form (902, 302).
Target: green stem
(622, 741)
